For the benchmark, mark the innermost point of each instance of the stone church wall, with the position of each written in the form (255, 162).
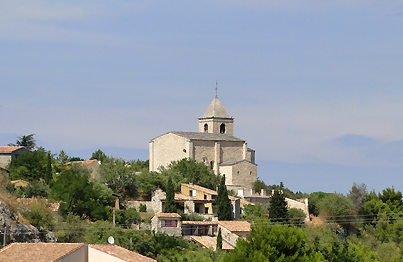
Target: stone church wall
(231, 151)
(167, 148)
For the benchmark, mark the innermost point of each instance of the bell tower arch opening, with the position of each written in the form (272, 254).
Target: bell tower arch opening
(222, 129)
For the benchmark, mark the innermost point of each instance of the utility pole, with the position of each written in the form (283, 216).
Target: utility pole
(113, 217)
(5, 237)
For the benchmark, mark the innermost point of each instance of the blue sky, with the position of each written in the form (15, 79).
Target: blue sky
(315, 87)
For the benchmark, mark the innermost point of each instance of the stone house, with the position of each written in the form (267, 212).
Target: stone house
(192, 199)
(8, 153)
(214, 145)
(169, 223)
(69, 252)
(232, 230)
(207, 204)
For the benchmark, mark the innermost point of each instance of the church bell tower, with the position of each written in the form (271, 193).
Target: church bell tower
(216, 120)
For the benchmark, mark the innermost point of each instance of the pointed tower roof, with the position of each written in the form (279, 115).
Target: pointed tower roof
(216, 109)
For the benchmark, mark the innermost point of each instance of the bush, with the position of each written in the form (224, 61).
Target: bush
(296, 217)
(39, 215)
(143, 208)
(36, 188)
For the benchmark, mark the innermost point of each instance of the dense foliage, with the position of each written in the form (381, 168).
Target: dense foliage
(223, 203)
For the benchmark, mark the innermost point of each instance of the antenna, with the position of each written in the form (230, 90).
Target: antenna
(216, 88)
(111, 240)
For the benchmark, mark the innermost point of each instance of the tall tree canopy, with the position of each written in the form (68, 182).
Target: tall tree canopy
(278, 211)
(119, 176)
(27, 141)
(79, 195)
(29, 166)
(223, 203)
(170, 205)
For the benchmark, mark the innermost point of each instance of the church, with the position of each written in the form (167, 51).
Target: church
(214, 145)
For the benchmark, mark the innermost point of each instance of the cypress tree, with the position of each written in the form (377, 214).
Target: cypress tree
(170, 205)
(48, 173)
(219, 240)
(223, 202)
(278, 210)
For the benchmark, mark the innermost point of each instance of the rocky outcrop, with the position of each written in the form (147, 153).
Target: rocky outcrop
(18, 232)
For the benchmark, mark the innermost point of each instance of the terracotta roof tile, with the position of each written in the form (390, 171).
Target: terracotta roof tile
(235, 226)
(167, 215)
(39, 252)
(199, 223)
(84, 163)
(210, 242)
(200, 188)
(9, 149)
(121, 253)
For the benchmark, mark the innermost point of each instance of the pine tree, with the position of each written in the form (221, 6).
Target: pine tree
(278, 211)
(223, 203)
(48, 174)
(219, 240)
(170, 205)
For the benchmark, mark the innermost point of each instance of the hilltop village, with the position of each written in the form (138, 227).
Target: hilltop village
(197, 198)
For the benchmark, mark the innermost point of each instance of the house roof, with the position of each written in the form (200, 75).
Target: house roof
(245, 202)
(47, 252)
(216, 109)
(207, 191)
(167, 215)
(200, 188)
(235, 226)
(28, 252)
(210, 242)
(84, 163)
(9, 149)
(121, 253)
(206, 223)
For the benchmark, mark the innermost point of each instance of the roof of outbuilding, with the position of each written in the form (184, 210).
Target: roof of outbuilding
(166, 215)
(210, 242)
(9, 149)
(121, 253)
(27, 252)
(235, 226)
(216, 109)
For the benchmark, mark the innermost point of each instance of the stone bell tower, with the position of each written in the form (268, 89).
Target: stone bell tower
(216, 120)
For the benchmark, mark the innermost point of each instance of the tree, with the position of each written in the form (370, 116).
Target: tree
(252, 212)
(118, 176)
(357, 194)
(223, 203)
(278, 211)
(170, 205)
(48, 174)
(27, 141)
(273, 243)
(29, 166)
(219, 240)
(79, 195)
(98, 155)
(189, 171)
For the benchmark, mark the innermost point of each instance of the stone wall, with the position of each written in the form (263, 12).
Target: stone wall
(299, 204)
(172, 231)
(167, 148)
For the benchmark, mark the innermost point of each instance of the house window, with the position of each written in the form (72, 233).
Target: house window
(250, 173)
(206, 210)
(205, 128)
(222, 129)
(205, 196)
(211, 165)
(169, 223)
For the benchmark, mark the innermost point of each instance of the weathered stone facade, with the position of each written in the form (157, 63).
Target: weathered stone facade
(8, 153)
(214, 145)
(169, 223)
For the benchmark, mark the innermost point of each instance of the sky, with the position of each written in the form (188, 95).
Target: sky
(315, 87)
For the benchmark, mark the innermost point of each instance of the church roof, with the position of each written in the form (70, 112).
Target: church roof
(216, 109)
(207, 136)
